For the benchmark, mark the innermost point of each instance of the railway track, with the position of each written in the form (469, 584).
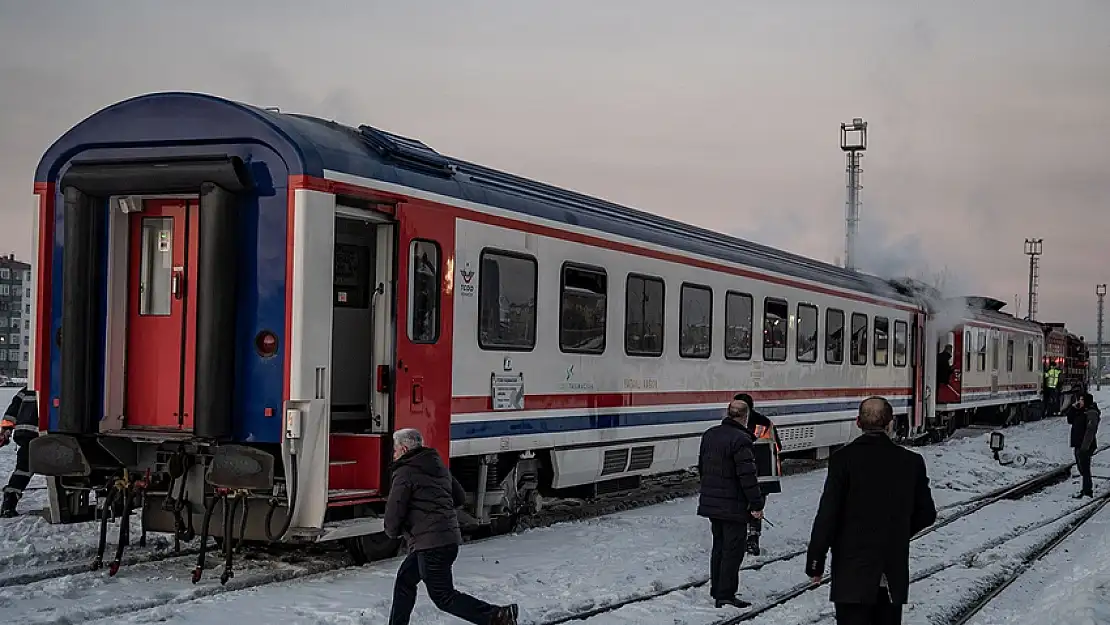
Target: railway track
(962, 509)
(974, 609)
(162, 579)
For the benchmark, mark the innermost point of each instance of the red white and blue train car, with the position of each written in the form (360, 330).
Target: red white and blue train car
(237, 307)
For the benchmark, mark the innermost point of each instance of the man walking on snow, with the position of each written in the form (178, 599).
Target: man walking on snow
(1084, 416)
(730, 496)
(876, 498)
(421, 506)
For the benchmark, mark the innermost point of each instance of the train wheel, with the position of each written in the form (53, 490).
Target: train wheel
(372, 547)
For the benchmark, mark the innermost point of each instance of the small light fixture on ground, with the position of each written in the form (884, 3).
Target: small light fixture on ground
(998, 443)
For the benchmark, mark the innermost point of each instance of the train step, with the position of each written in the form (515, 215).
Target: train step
(352, 496)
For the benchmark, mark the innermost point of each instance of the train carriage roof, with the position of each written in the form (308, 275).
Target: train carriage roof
(310, 145)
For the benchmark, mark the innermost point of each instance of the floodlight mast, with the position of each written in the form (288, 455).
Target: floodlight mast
(853, 141)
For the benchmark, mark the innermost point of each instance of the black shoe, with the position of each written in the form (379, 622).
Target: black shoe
(753, 544)
(505, 615)
(734, 602)
(7, 509)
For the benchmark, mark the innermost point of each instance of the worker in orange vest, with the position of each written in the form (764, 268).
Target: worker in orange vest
(761, 427)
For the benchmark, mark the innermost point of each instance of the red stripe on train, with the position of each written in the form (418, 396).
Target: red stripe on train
(474, 404)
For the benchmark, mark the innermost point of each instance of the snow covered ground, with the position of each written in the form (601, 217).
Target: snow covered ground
(568, 567)
(1070, 586)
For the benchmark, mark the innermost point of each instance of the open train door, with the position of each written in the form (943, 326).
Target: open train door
(924, 361)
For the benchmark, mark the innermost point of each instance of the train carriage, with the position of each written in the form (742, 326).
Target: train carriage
(238, 306)
(996, 367)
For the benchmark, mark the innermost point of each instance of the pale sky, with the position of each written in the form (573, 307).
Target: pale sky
(989, 120)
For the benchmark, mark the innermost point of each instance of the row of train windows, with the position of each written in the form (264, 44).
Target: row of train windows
(507, 291)
(980, 352)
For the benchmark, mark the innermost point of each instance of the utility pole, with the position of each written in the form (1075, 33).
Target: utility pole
(1033, 251)
(1100, 291)
(853, 140)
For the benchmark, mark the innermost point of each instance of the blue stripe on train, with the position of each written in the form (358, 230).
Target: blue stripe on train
(580, 423)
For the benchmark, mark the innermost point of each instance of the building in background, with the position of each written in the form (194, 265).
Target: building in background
(15, 317)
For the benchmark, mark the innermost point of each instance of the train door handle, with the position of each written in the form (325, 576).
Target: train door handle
(175, 284)
(417, 391)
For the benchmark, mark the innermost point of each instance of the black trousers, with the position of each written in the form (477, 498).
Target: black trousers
(21, 476)
(1083, 464)
(883, 612)
(728, 554)
(433, 567)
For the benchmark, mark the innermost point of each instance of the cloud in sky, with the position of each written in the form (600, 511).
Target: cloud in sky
(989, 124)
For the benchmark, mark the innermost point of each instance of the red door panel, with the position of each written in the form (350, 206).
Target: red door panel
(951, 392)
(156, 315)
(426, 252)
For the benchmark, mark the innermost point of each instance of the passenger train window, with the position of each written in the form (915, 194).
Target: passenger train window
(901, 343)
(775, 321)
(994, 352)
(583, 305)
(834, 336)
(882, 342)
(859, 339)
(643, 316)
(424, 292)
(1009, 354)
(1029, 356)
(981, 350)
(807, 333)
(695, 321)
(507, 301)
(738, 326)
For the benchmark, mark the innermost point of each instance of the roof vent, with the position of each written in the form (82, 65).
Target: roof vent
(272, 109)
(407, 152)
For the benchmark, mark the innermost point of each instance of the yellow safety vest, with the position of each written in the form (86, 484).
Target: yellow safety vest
(1052, 377)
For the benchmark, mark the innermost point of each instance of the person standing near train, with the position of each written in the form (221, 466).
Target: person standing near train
(876, 498)
(729, 496)
(761, 428)
(21, 424)
(1083, 416)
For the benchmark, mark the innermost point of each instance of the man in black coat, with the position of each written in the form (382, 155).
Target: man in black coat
(876, 498)
(1084, 415)
(730, 496)
(21, 424)
(422, 499)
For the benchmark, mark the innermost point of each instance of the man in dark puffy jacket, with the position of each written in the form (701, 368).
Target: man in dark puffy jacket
(421, 507)
(1084, 415)
(730, 496)
(21, 424)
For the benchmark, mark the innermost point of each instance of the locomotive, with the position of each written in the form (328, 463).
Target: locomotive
(1070, 353)
(236, 308)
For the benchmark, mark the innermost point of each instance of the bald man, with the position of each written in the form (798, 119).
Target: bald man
(729, 497)
(876, 498)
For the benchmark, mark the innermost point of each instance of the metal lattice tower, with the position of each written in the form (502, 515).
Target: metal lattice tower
(1100, 290)
(1033, 248)
(853, 140)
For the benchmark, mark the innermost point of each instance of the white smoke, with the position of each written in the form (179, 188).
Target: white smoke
(903, 259)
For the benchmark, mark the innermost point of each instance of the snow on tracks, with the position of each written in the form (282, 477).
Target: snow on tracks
(82, 597)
